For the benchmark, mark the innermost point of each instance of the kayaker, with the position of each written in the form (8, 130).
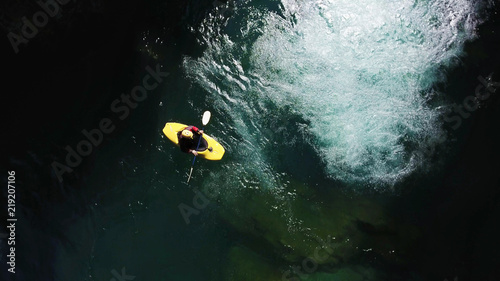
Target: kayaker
(188, 139)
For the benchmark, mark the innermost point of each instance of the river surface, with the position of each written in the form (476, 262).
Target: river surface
(342, 138)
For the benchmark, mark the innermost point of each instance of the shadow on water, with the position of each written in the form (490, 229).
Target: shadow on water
(455, 205)
(64, 80)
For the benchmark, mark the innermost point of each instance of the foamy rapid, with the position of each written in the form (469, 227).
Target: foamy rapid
(358, 72)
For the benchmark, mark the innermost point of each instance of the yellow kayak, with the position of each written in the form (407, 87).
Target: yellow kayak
(215, 153)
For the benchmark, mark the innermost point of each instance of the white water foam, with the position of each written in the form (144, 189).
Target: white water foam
(358, 71)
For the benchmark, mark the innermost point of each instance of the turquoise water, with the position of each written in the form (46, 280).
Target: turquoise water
(305, 96)
(332, 120)
(358, 75)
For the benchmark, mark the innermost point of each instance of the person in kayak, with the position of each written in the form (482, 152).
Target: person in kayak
(189, 138)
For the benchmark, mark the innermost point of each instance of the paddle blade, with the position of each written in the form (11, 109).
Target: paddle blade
(206, 117)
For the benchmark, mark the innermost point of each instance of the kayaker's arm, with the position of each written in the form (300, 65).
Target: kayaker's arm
(195, 130)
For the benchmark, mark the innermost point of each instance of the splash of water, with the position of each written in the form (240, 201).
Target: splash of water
(358, 72)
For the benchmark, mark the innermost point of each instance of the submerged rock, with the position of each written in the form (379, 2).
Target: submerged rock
(245, 264)
(297, 228)
(357, 273)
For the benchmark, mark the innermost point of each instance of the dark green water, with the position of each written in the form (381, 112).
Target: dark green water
(340, 163)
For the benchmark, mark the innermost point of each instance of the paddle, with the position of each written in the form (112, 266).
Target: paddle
(204, 121)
